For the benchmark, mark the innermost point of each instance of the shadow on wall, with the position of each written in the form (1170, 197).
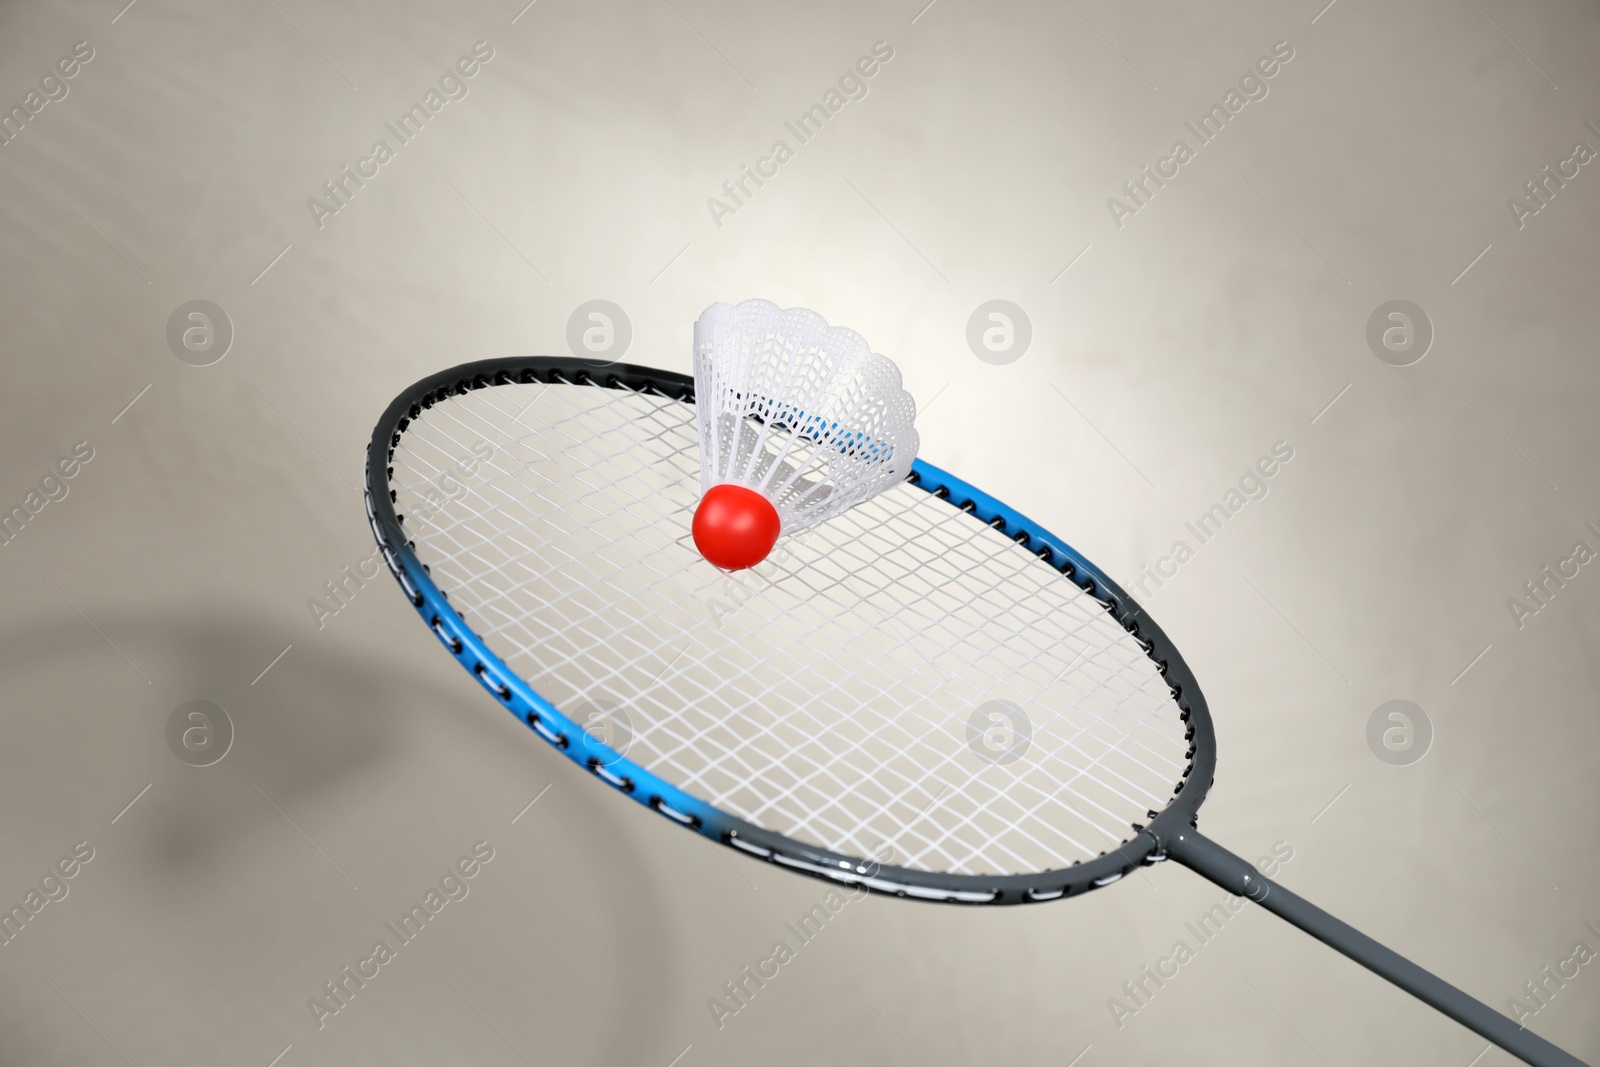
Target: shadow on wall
(325, 722)
(408, 755)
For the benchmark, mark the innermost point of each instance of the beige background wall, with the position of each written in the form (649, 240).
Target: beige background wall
(1222, 317)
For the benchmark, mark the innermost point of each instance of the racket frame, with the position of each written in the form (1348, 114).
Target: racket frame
(1144, 845)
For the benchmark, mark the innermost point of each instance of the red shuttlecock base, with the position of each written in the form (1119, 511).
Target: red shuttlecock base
(735, 527)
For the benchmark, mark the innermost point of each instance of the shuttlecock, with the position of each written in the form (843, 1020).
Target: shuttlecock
(798, 421)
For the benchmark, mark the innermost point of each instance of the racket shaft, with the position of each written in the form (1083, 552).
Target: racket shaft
(1212, 861)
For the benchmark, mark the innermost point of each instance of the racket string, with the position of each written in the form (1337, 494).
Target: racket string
(812, 709)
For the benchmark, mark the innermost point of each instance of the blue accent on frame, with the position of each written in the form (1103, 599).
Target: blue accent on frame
(543, 717)
(1018, 526)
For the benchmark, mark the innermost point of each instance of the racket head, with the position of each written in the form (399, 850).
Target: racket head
(872, 868)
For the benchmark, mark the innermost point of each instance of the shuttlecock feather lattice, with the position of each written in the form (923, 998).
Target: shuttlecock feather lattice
(803, 413)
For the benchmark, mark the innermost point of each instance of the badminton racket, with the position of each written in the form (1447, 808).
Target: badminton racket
(928, 695)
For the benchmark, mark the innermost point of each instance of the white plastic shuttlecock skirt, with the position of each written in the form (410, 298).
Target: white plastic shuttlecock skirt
(802, 412)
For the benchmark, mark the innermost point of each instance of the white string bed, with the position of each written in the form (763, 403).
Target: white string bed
(825, 694)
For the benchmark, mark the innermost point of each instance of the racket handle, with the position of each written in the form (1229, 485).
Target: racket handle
(1210, 860)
